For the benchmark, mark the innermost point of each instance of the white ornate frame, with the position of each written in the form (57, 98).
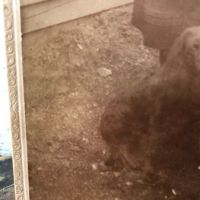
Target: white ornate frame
(16, 96)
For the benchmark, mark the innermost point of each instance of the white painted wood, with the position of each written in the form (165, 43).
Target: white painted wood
(50, 13)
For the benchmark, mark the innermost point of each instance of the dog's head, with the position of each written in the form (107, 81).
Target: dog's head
(186, 50)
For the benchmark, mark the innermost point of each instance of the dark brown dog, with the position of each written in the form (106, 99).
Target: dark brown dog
(157, 126)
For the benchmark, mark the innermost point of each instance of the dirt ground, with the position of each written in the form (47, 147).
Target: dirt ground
(71, 71)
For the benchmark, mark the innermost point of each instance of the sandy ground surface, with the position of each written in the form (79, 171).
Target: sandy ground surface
(71, 71)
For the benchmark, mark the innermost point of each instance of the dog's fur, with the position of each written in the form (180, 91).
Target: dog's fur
(159, 122)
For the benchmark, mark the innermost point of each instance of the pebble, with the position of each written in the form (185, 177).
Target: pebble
(104, 72)
(39, 168)
(104, 152)
(174, 192)
(85, 140)
(116, 174)
(198, 167)
(80, 46)
(128, 183)
(94, 166)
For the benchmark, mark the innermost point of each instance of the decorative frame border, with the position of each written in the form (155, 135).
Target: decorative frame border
(16, 97)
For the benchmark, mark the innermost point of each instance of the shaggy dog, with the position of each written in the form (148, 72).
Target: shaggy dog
(157, 127)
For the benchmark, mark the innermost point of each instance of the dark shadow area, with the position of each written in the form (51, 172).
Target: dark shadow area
(155, 128)
(6, 179)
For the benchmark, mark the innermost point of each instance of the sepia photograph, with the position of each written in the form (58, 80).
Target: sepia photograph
(111, 100)
(112, 109)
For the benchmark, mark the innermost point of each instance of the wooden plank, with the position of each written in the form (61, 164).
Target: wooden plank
(30, 2)
(46, 14)
(43, 8)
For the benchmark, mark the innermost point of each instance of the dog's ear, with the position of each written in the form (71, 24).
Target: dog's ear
(176, 51)
(186, 40)
(181, 50)
(191, 48)
(181, 43)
